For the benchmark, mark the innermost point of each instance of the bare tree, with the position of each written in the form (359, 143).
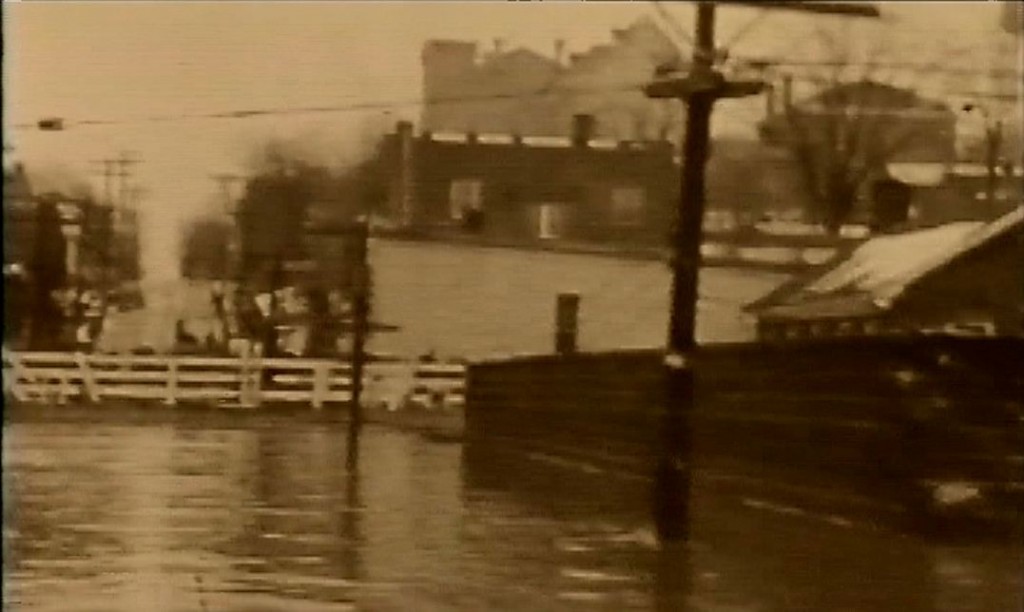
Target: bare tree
(856, 122)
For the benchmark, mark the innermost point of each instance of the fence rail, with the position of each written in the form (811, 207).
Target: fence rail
(52, 377)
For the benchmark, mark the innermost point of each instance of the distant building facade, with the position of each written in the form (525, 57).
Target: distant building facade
(523, 92)
(527, 189)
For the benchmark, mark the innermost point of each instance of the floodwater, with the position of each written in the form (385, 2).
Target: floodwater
(264, 514)
(473, 302)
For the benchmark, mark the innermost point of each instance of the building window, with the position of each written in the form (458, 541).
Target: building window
(627, 206)
(465, 195)
(551, 221)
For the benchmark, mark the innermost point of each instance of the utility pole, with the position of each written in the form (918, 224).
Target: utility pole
(993, 154)
(698, 90)
(108, 251)
(226, 181)
(358, 232)
(108, 174)
(360, 314)
(124, 163)
(127, 219)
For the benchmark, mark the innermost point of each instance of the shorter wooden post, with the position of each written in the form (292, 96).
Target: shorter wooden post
(88, 380)
(172, 382)
(566, 322)
(63, 388)
(320, 384)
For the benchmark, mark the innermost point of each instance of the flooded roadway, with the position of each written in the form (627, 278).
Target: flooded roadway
(284, 515)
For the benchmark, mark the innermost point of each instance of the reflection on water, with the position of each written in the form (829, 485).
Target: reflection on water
(296, 516)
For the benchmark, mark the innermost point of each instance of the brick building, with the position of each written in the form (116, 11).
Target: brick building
(525, 189)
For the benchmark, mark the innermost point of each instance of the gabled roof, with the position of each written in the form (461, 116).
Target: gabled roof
(881, 270)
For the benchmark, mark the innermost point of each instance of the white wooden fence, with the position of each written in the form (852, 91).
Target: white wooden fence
(57, 378)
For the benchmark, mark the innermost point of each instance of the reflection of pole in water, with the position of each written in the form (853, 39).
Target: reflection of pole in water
(672, 579)
(351, 560)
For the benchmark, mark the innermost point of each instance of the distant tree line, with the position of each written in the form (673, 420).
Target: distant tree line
(275, 250)
(40, 293)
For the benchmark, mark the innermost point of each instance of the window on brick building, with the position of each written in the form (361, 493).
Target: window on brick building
(464, 196)
(551, 221)
(627, 205)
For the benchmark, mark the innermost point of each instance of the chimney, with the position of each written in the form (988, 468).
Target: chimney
(403, 197)
(499, 46)
(582, 130)
(472, 137)
(769, 102)
(560, 51)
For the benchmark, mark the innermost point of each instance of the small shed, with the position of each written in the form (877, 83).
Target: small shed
(965, 277)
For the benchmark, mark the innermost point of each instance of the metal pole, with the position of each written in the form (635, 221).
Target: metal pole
(360, 313)
(673, 477)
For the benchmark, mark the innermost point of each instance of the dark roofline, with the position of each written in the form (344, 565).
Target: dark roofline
(919, 100)
(976, 240)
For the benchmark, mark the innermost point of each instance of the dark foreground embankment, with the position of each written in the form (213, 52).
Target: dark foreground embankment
(917, 434)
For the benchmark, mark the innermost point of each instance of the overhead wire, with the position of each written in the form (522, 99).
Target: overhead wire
(746, 29)
(547, 90)
(673, 25)
(938, 66)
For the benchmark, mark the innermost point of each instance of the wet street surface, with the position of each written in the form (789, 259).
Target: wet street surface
(270, 514)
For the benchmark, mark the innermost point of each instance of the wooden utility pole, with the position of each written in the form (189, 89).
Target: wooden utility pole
(358, 232)
(226, 182)
(993, 155)
(124, 163)
(698, 90)
(108, 174)
(360, 314)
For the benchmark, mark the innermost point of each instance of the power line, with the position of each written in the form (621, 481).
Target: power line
(930, 67)
(672, 24)
(746, 28)
(546, 90)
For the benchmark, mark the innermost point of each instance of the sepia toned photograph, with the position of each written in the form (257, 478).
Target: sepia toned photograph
(392, 306)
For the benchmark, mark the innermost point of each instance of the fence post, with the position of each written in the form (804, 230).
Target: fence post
(320, 384)
(88, 381)
(172, 382)
(566, 322)
(63, 388)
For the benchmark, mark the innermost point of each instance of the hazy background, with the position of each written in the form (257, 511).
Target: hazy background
(133, 61)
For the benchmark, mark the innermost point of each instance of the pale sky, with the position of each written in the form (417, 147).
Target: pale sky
(129, 61)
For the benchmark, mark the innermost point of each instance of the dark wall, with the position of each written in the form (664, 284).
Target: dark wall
(517, 178)
(986, 285)
(852, 427)
(957, 199)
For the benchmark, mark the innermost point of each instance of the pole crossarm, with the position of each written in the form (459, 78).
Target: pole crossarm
(843, 9)
(699, 83)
